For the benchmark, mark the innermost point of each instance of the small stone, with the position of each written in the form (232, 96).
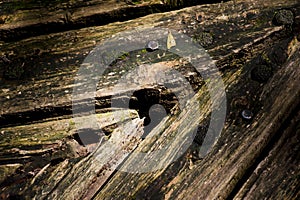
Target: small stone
(247, 114)
(261, 73)
(152, 45)
(283, 17)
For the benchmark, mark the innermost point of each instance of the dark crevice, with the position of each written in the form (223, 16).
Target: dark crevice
(120, 15)
(153, 105)
(44, 113)
(87, 136)
(14, 160)
(141, 100)
(265, 152)
(27, 117)
(56, 161)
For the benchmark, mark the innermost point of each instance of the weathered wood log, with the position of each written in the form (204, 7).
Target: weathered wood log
(88, 175)
(260, 70)
(19, 20)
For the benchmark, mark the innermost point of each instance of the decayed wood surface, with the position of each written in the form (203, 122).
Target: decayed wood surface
(24, 19)
(42, 159)
(218, 174)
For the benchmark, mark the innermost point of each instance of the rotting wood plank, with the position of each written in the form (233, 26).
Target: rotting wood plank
(219, 178)
(158, 184)
(277, 174)
(19, 20)
(88, 175)
(240, 145)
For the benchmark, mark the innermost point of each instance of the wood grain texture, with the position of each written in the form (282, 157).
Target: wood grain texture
(42, 158)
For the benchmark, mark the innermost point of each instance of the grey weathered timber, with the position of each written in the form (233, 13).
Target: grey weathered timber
(42, 153)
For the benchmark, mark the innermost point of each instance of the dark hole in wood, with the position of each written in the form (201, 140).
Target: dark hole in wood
(56, 161)
(153, 104)
(87, 136)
